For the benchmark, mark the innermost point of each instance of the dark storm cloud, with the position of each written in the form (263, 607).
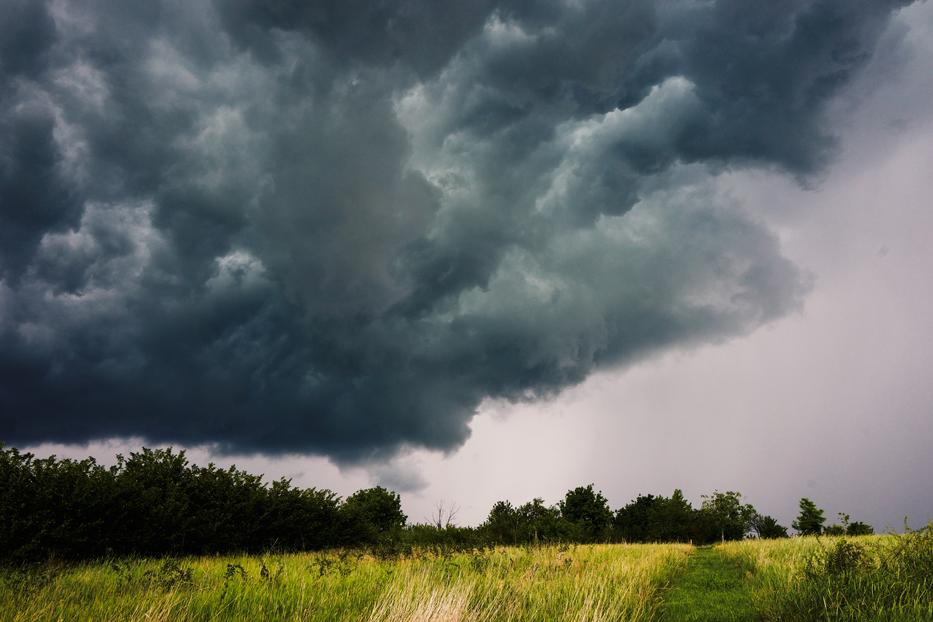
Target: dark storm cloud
(338, 227)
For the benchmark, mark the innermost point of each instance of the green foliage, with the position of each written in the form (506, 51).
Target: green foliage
(531, 523)
(503, 524)
(154, 502)
(725, 516)
(767, 527)
(151, 503)
(848, 528)
(672, 519)
(810, 520)
(859, 528)
(634, 522)
(588, 513)
(541, 523)
(722, 516)
(864, 579)
(834, 530)
(657, 519)
(371, 515)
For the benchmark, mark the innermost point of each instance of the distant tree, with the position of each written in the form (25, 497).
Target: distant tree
(444, 515)
(538, 522)
(848, 528)
(767, 527)
(502, 524)
(810, 520)
(153, 491)
(728, 517)
(588, 511)
(155, 502)
(298, 518)
(858, 528)
(634, 522)
(671, 520)
(372, 513)
(838, 530)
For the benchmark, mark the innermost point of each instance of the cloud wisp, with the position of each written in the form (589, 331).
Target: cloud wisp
(338, 227)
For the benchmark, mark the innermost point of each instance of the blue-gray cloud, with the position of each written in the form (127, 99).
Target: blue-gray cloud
(337, 227)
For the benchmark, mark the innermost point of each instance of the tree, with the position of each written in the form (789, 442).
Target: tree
(671, 520)
(858, 528)
(372, 513)
(588, 510)
(848, 528)
(726, 515)
(632, 523)
(444, 515)
(767, 527)
(810, 520)
(834, 530)
(539, 522)
(837, 530)
(502, 523)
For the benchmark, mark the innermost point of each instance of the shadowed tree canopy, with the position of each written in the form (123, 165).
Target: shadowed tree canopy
(810, 520)
(373, 513)
(588, 511)
(155, 502)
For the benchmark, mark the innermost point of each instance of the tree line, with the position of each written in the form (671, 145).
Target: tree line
(155, 502)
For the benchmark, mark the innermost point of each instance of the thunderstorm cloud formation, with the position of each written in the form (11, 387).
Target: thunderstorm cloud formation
(337, 227)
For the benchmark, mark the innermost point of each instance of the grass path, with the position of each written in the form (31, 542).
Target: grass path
(712, 588)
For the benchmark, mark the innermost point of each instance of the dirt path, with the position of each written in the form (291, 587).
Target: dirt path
(712, 588)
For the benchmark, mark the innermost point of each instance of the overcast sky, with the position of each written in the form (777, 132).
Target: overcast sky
(487, 252)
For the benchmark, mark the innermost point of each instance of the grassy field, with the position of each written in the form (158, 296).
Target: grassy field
(599, 582)
(869, 578)
(885, 578)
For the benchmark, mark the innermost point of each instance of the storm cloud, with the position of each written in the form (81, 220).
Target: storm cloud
(338, 227)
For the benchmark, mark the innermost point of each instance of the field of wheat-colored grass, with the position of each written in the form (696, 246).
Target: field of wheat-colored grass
(846, 579)
(849, 579)
(592, 582)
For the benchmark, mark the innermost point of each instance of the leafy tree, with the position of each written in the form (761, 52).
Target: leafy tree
(588, 511)
(296, 518)
(848, 528)
(726, 516)
(502, 524)
(810, 520)
(671, 520)
(767, 527)
(229, 512)
(154, 511)
(858, 528)
(633, 522)
(541, 523)
(156, 503)
(371, 514)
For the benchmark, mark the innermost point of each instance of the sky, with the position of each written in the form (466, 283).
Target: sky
(490, 251)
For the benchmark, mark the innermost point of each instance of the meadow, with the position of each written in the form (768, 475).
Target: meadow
(886, 578)
(864, 578)
(585, 582)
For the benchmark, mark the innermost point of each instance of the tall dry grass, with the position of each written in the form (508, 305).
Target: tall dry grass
(576, 583)
(848, 579)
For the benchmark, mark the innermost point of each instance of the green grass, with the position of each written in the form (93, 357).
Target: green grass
(883, 578)
(841, 579)
(598, 582)
(713, 588)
